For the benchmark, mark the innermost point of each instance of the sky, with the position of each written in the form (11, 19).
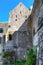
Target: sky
(7, 5)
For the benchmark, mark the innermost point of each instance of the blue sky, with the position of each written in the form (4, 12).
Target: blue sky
(7, 5)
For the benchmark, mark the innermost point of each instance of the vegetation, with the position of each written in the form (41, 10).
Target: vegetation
(19, 63)
(6, 54)
(8, 58)
(30, 59)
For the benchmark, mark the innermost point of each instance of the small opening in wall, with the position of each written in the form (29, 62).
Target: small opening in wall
(9, 26)
(10, 37)
(15, 19)
(4, 38)
(20, 4)
(16, 15)
(20, 12)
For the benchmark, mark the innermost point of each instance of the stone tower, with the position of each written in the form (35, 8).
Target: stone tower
(18, 16)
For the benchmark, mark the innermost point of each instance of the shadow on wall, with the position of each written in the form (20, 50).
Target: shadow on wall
(21, 40)
(23, 37)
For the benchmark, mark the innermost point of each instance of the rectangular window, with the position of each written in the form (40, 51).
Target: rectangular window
(1, 30)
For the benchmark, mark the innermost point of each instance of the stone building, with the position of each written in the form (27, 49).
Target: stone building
(30, 26)
(24, 30)
(18, 36)
(37, 29)
(24, 26)
(3, 31)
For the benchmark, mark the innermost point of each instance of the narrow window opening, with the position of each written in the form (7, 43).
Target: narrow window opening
(15, 19)
(10, 37)
(9, 26)
(16, 15)
(20, 12)
(4, 37)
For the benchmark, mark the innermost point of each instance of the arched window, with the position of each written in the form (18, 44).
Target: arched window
(10, 37)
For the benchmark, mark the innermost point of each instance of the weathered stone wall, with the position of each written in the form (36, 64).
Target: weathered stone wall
(21, 36)
(35, 13)
(40, 37)
(4, 27)
(37, 20)
(22, 41)
(35, 17)
(40, 48)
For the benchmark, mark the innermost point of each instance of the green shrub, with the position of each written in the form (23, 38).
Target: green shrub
(31, 58)
(6, 54)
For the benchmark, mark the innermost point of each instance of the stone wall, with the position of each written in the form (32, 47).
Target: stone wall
(18, 16)
(40, 37)
(22, 41)
(37, 21)
(21, 36)
(3, 29)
